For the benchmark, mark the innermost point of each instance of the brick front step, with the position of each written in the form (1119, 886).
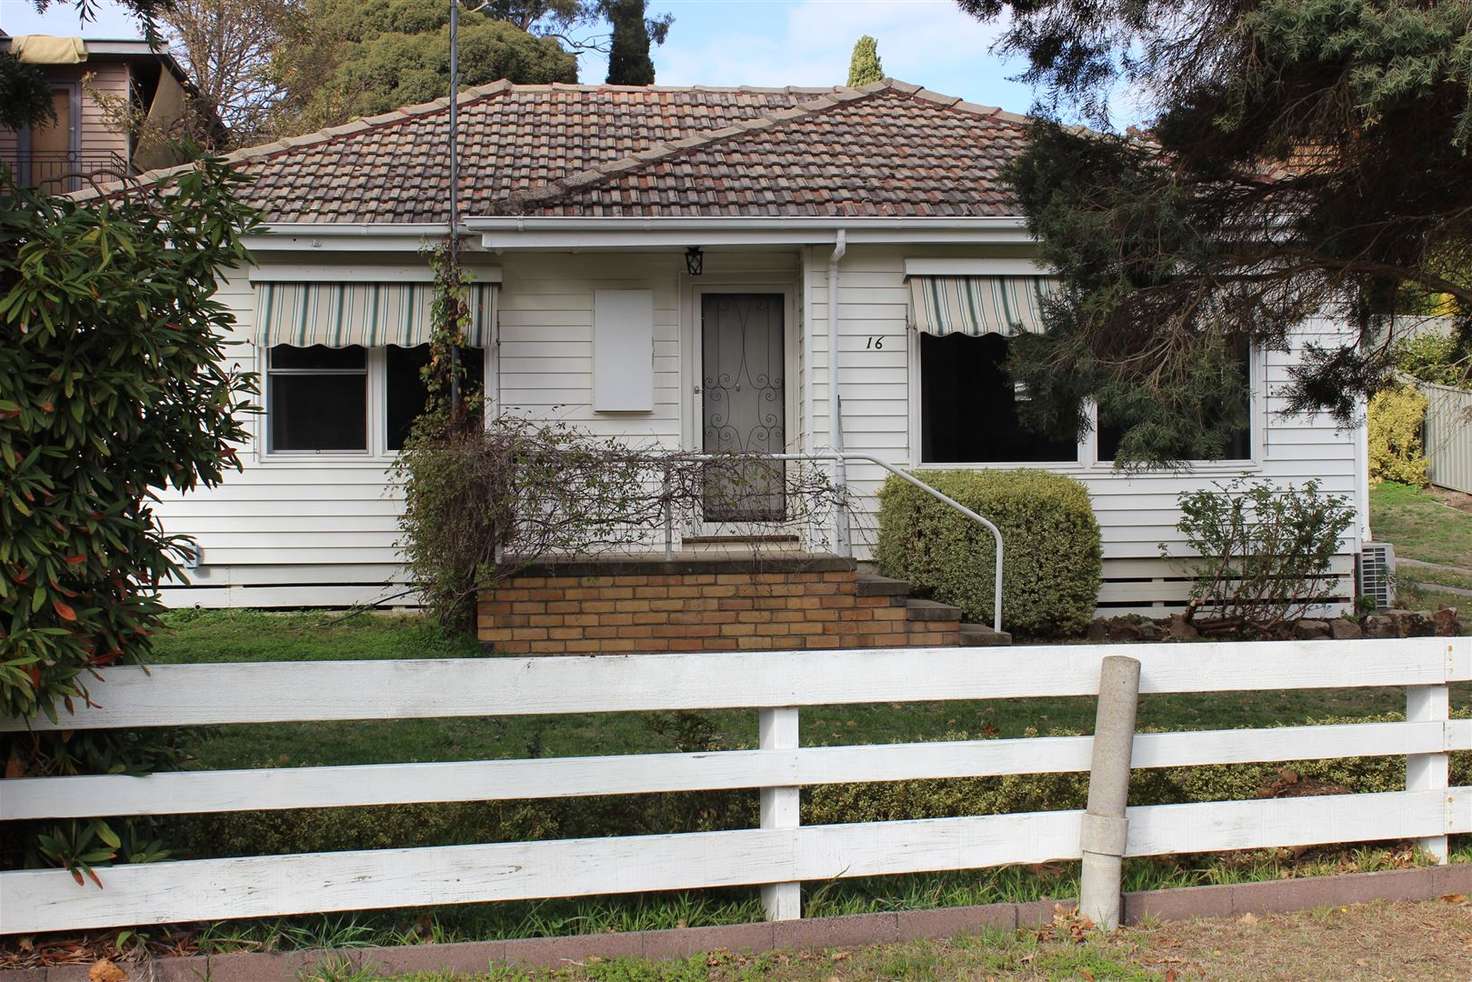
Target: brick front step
(644, 604)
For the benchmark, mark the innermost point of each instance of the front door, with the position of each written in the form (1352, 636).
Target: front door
(744, 403)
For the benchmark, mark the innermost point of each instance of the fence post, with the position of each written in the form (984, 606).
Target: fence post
(1104, 826)
(1429, 772)
(779, 810)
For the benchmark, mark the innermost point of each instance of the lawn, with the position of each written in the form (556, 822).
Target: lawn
(1426, 940)
(1432, 526)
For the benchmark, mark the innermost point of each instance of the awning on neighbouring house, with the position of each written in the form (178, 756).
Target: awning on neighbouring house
(340, 315)
(976, 305)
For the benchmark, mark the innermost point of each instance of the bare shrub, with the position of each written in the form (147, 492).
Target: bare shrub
(1264, 552)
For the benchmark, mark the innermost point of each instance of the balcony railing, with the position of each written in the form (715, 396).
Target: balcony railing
(61, 172)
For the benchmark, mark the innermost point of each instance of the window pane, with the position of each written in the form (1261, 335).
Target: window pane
(406, 391)
(968, 406)
(320, 357)
(1239, 443)
(318, 412)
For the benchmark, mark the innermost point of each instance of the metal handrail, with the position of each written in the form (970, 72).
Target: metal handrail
(844, 457)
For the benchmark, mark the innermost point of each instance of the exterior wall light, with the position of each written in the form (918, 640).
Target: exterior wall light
(694, 261)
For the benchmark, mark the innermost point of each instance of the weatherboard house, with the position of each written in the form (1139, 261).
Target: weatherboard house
(856, 248)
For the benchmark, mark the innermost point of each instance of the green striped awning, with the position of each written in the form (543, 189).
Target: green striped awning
(1005, 305)
(340, 315)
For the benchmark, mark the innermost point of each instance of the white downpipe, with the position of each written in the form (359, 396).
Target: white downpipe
(841, 530)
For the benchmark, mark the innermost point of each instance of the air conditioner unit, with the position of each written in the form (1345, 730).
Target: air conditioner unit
(1375, 571)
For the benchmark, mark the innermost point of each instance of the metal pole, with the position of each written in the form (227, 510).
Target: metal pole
(1105, 827)
(454, 243)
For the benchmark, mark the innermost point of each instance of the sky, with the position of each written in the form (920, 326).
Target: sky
(740, 42)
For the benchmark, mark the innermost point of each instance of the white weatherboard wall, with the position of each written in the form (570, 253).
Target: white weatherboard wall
(321, 529)
(878, 385)
(312, 530)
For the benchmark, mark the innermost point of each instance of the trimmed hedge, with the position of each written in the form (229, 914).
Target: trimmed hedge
(1052, 557)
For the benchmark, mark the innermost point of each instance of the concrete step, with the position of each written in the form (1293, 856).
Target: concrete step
(930, 610)
(982, 636)
(883, 586)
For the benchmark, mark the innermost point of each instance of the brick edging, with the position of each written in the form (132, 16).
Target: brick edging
(1275, 896)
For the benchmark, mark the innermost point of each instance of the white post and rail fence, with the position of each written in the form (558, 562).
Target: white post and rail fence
(780, 854)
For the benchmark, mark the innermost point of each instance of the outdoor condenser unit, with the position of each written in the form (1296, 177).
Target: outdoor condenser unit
(1376, 571)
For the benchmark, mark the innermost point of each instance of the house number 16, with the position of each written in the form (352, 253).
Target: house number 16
(874, 344)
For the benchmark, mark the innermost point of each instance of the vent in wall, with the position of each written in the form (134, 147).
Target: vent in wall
(1376, 569)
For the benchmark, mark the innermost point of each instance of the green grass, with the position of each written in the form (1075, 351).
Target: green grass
(1421, 525)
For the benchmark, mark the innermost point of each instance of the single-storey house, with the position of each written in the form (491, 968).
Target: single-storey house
(848, 242)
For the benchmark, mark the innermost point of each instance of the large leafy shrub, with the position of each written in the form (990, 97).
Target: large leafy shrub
(1052, 558)
(1396, 452)
(1263, 553)
(1445, 359)
(113, 388)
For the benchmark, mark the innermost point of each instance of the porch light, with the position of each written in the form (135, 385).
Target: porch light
(694, 261)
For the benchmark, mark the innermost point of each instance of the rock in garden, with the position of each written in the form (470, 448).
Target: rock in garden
(1344, 629)
(1445, 622)
(1180, 629)
(1311, 630)
(1380, 626)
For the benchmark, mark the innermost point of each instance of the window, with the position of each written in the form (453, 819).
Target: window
(322, 399)
(405, 389)
(1239, 444)
(968, 406)
(317, 398)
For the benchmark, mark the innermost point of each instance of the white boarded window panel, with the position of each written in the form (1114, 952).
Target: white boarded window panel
(623, 351)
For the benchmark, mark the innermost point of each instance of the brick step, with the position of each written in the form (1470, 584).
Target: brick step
(882, 586)
(982, 636)
(930, 610)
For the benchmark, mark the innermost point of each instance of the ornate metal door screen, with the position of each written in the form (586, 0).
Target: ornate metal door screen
(744, 406)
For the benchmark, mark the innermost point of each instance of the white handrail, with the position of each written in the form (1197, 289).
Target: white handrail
(843, 457)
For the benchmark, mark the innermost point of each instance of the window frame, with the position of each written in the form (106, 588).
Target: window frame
(1087, 460)
(375, 405)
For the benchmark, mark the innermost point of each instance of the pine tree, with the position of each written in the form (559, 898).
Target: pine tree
(1298, 158)
(864, 66)
(628, 58)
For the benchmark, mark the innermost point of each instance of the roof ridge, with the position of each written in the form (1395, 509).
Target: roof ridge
(836, 96)
(467, 96)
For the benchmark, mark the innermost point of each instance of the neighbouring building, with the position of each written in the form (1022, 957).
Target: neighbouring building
(87, 142)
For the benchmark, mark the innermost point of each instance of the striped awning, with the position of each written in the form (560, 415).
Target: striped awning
(976, 305)
(340, 315)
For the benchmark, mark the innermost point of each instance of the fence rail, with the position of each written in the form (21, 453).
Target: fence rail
(781, 853)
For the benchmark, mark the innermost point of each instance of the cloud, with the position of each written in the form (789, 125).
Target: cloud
(929, 42)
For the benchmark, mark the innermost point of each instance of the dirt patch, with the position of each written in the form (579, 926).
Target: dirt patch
(1456, 499)
(1430, 940)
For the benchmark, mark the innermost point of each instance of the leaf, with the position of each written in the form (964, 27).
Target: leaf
(106, 834)
(63, 611)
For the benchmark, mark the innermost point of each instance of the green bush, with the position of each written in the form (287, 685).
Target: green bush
(455, 823)
(1444, 359)
(1396, 453)
(1051, 569)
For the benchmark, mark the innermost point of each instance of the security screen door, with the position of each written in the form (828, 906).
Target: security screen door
(743, 404)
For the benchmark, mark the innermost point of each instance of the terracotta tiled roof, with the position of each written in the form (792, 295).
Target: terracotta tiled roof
(893, 150)
(889, 149)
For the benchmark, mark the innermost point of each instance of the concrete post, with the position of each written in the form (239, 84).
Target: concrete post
(1104, 824)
